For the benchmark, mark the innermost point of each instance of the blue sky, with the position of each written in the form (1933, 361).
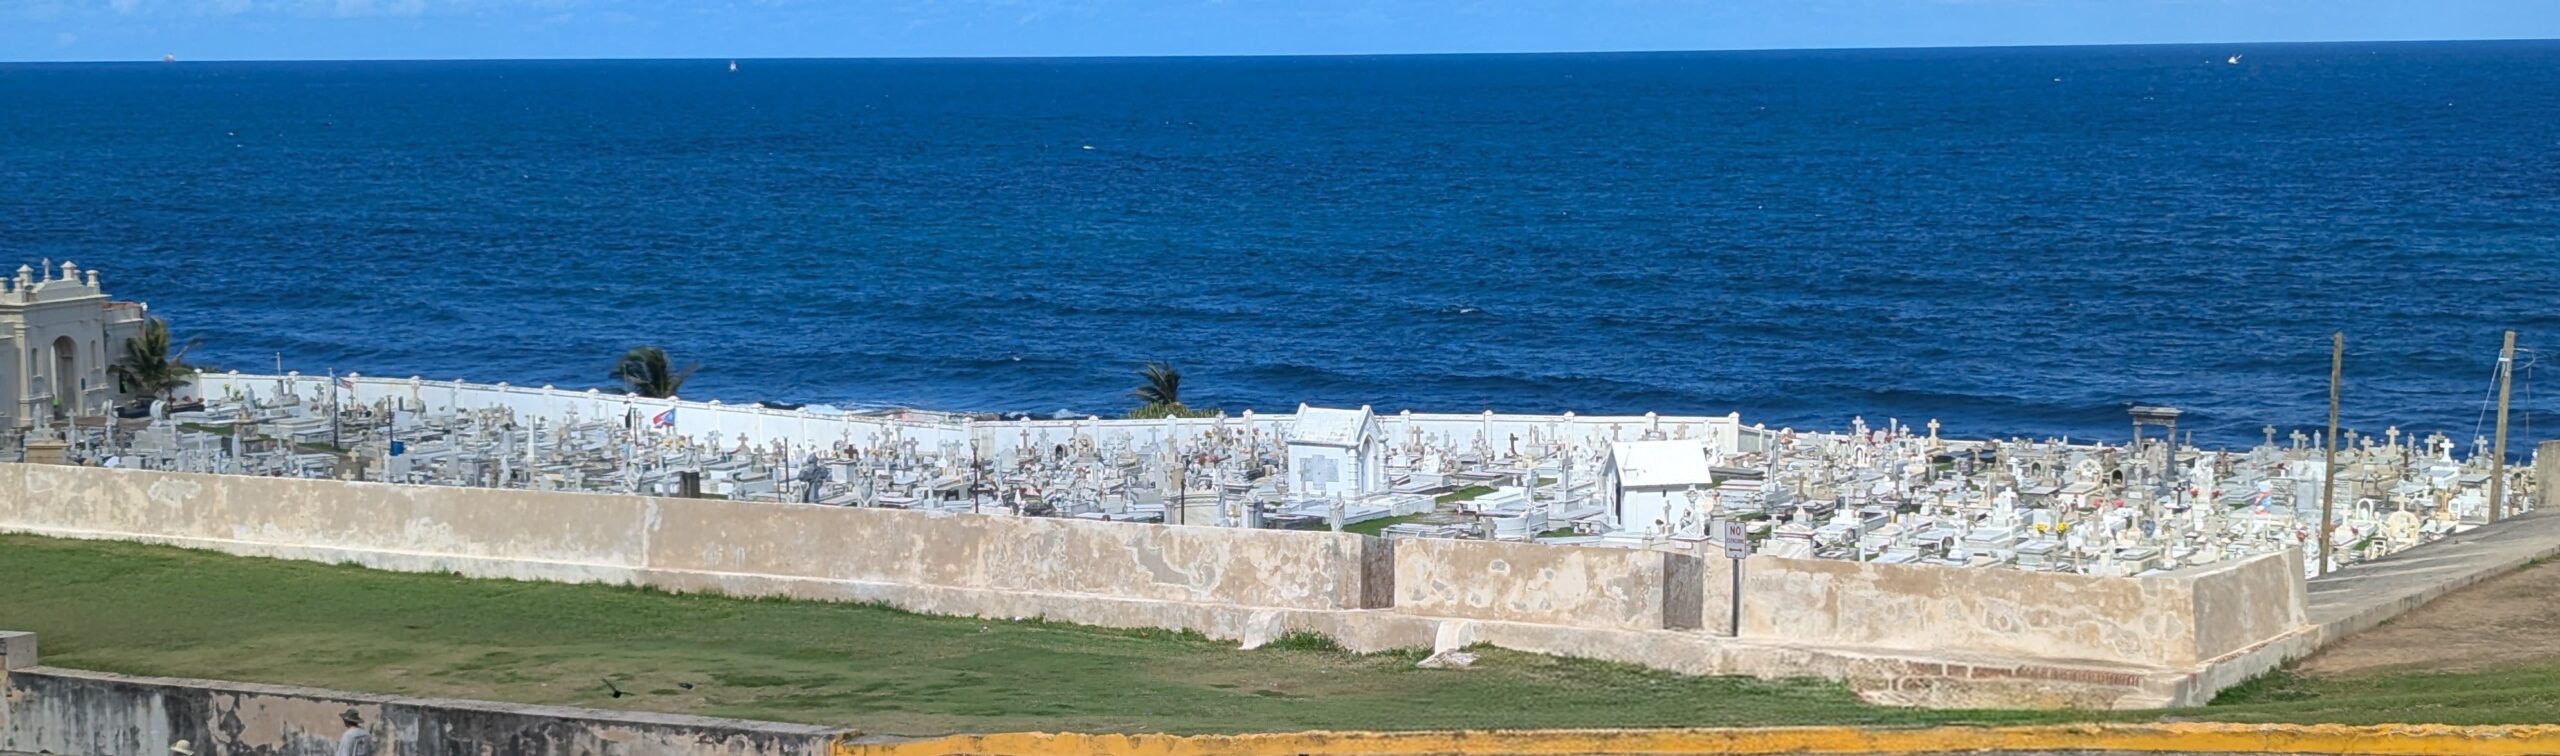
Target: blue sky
(345, 29)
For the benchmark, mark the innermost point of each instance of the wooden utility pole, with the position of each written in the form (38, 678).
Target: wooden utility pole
(2498, 454)
(2329, 458)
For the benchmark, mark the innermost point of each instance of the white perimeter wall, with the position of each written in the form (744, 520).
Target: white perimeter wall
(805, 429)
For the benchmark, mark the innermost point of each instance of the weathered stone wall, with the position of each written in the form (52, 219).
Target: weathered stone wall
(2241, 605)
(62, 711)
(1228, 583)
(1569, 586)
(2145, 621)
(477, 532)
(1899, 632)
(1258, 568)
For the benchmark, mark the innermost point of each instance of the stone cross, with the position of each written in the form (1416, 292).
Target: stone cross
(2392, 435)
(1933, 431)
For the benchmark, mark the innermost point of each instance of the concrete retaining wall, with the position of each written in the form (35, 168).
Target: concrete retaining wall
(1909, 634)
(2243, 605)
(1255, 568)
(1569, 586)
(960, 564)
(2146, 621)
(478, 532)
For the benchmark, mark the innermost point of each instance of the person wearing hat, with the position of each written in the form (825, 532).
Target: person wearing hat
(356, 741)
(182, 748)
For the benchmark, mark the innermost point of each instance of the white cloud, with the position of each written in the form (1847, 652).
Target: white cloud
(65, 39)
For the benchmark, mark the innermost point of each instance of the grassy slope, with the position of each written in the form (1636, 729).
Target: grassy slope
(152, 610)
(2527, 693)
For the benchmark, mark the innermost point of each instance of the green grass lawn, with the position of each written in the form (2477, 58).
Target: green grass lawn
(2525, 693)
(1378, 526)
(152, 610)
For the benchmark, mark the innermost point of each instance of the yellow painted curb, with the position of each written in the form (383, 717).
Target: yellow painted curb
(2411, 740)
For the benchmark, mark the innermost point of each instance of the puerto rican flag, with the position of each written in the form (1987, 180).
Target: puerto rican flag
(665, 419)
(347, 383)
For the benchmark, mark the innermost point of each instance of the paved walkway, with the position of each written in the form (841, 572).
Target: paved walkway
(2363, 595)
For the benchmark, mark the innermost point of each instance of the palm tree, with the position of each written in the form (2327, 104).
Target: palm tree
(148, 366)
(1163, 387)
(1161, 395)
(645, 371)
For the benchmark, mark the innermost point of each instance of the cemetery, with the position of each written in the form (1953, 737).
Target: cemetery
(1919, 567)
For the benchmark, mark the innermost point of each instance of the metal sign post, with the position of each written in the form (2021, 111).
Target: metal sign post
(1737, 546)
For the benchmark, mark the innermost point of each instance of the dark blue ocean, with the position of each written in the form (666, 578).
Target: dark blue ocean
(2011, 240)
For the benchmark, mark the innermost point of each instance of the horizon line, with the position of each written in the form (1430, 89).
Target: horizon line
(1214, 56)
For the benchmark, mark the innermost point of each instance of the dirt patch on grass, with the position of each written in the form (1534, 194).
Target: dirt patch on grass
(2508, 621)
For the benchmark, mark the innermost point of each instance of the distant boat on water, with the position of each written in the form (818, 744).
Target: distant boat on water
(733, 66)
(169, 58)
(2235, 60)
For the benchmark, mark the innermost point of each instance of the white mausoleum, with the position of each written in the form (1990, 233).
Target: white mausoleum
(1648, 483)
(62, 333)
(1336, 452)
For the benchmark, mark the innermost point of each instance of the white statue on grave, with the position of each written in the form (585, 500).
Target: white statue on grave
(2201, 477)
(2402, 526)
(2085, 470)
(2130, 534)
